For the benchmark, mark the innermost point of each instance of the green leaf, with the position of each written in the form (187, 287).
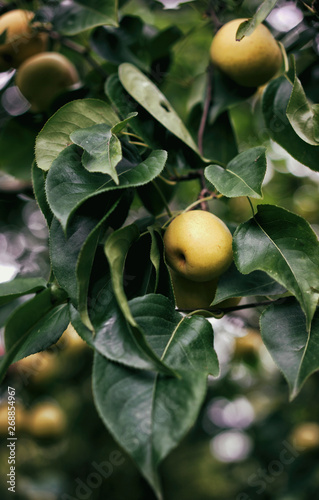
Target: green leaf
(303, 117)
(55, 135)
(226, 94)
(255, 284)
(124, 103)
(18, 287)
(163, 284)
(149, 416)
(66, 249)
(38, 183)
(33, 327)
(69, 184)
(219, 142)
(76, 16)
(293, 347)
(85, 262)
(275, 101)
(145, 92)
(284, 246)
(113, 337)
(123, 124)
(243, 175)
(246, 28)
(102, 149)
(128, 43)
(116, 248)
(17, 161)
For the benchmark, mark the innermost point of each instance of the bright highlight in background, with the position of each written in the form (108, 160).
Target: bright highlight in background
(7, 272)
(231, 446)
(285, 18)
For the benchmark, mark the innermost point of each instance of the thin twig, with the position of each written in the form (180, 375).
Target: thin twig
(226, 310)
(201, 130)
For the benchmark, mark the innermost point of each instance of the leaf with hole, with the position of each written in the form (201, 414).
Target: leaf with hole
(145, 92)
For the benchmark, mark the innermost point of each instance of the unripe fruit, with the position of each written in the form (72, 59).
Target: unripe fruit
(305, 436)
(46, 420)
(191, 295)
(43, 77)
(250, 62)
(22, 41)
(198, 246)
(248, 345)
(71, 341)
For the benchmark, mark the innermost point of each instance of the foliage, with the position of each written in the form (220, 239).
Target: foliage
(96, 152)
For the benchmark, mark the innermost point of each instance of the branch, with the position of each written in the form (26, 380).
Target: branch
(226, 310)
(202, 125)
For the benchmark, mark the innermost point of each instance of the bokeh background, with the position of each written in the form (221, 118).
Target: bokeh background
(249, 441)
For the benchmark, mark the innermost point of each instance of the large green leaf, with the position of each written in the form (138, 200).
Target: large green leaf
(256, 284)
(275, 101)
(11, 290)
(76, 16)
(116, 248)
(292, 346)
(55, 135)
(246, 28)
(113, 337)
(243, 175)
(145, 92)
(284, 246)
(303, 116)
(69, 184)
(33, 327)
(150, 415)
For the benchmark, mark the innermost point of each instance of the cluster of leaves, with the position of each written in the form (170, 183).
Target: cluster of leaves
(108, 273)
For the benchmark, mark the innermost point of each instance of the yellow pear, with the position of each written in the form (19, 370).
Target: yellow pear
(198, 246)
(250, 62)
(43, 77)
(46, 419)
(21, 41)
(191, 295)
(305, 436)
